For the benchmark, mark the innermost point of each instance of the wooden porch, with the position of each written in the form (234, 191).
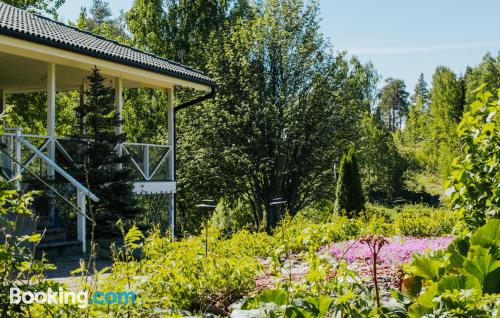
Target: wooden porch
(41, 55)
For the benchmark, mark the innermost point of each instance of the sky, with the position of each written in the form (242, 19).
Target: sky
(402, 38)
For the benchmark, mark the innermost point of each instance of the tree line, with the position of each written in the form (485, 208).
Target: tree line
(288, 107)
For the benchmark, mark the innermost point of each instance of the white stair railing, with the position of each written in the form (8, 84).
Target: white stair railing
(15, 141)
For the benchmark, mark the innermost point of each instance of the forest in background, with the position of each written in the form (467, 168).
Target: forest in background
(288, 107)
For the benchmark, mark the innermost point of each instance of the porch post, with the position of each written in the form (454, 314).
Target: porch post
(51, 133)
(83, 100)
(81, 229)
(81, 221)
(3, 100)
(51, 115)
(119, 112)
(3, 96)
(171, 158)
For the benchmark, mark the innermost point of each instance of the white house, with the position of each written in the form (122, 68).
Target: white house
(39, 54)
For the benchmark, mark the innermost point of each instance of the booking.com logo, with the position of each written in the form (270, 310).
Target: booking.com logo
(62, 297)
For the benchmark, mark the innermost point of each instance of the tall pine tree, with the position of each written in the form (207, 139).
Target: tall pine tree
(349, 194)
(98, 160)
(415, 128)
(393, 103)
(421, 94)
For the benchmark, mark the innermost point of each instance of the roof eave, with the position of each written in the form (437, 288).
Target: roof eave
(109, 58)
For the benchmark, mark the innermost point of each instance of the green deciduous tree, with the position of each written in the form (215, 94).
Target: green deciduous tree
(475, 181)
(381, 164)
(349, 194)
(99, 19)
(38, 6)
(285, 107)
(487, 72)
(445, 111)
(179, 29)
(284, 104)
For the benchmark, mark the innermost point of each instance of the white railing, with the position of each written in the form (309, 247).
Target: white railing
(14, 164)
(11, 138)
(14, 148)
(148, 162)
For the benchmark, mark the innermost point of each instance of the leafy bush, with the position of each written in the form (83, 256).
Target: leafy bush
(18, 266)
(175, 276)
(319, 294)
(462, 281)
(231, 219)
(474, 187)
(424, 222)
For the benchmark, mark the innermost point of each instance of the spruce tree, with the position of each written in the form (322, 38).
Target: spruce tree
(421, 95)
(98, 161)
(349, 194)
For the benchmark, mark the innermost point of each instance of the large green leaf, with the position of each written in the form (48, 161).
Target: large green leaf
(458, 282)
(482, 263)
(426, 267)
(426, 298)
(487, 235)
(274, 296)
(458, 250)
(394, 308)
(322, 304)
(492, 282)
(416, 311)
(295, 312)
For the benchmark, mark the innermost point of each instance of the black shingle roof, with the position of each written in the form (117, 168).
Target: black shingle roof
(24, 25)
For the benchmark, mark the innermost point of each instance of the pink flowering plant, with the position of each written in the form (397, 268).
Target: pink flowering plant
(386, 268)
(397, 250)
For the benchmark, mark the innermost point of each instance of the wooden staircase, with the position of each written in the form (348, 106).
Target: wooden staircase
(55, 242)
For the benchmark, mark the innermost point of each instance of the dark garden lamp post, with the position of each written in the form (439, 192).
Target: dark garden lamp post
(207, 204)
(277, 202)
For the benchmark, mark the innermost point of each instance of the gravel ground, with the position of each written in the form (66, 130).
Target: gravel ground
(64, 267)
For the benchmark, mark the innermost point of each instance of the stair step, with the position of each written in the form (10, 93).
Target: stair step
(59, 248)
(43, 222)
(53, 234)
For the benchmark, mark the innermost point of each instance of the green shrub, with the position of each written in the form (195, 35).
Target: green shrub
(179, 276)
(474, 187)
(18, 266)
(349, 195)
(424, 222)
(462, 281)
(231, 219)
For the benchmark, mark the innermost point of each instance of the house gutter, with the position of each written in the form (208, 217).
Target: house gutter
(213, 91)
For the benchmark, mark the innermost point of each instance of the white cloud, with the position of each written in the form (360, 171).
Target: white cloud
(421, 49)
